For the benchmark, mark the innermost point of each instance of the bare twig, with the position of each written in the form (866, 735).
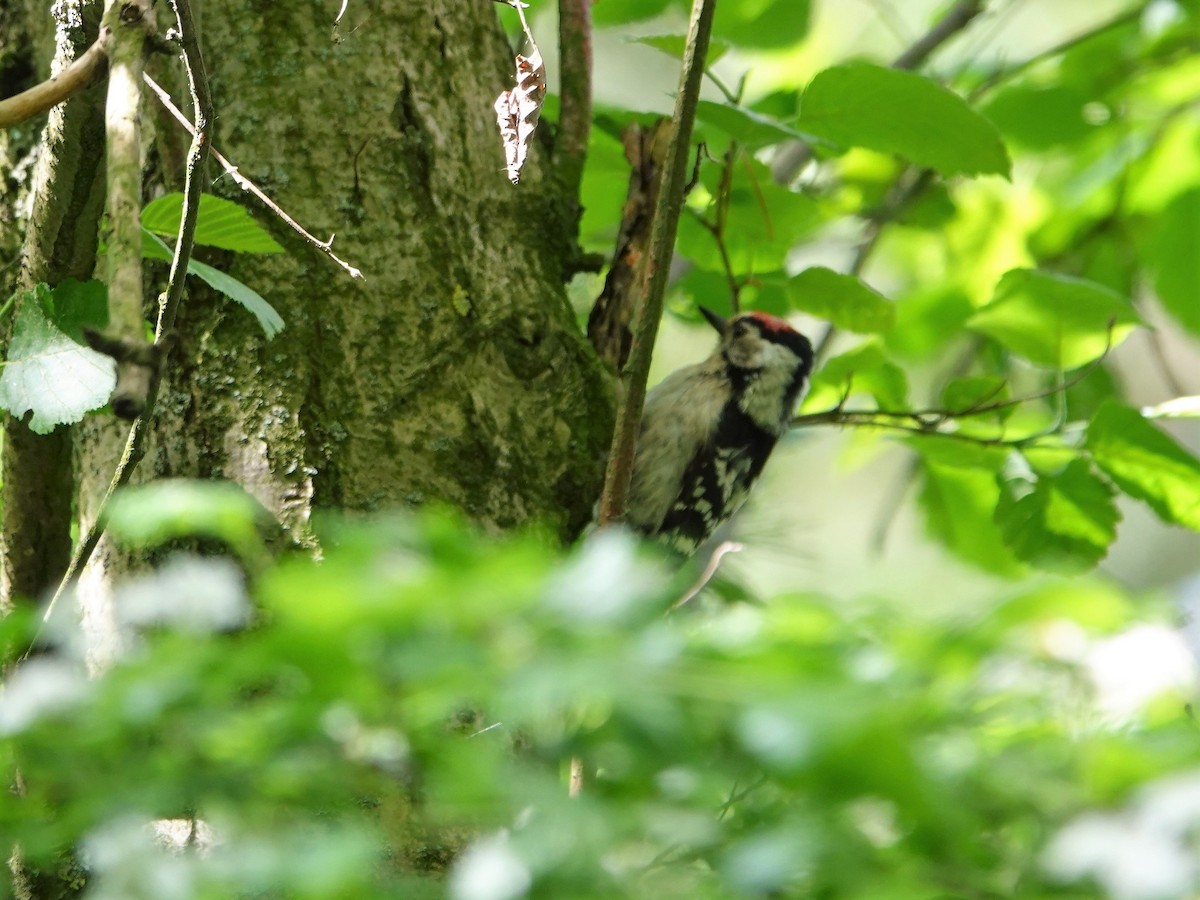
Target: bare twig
(128, 25)
(82, 73)
(247, 185)
(662, 238)
(197, 77)
(955, 20)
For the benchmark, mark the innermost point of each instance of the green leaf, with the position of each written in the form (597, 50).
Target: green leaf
(1040, 117)
(959, 495)
(50, 374)
(1054, 320)
(1172, 257)
(1065, 523)
(268, 318)
(764, 220)
(862, 105)
(1146, 463)
(841, 299)
(762, 24)
(970, 392)
(674, 44)
(753, 130)
(620, 12)
(862, 370)
(75, 305)
(148, 515)
(221, 223)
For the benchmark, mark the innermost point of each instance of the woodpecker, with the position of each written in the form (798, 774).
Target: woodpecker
(708, 429)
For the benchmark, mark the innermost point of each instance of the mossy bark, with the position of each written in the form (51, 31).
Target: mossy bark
(59, 242)
(455, 372)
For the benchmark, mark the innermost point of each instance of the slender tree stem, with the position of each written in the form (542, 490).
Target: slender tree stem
(193, 63)
(575, 94)
(662, 240)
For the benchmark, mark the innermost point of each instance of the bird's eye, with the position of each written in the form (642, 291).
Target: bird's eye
(740, 329)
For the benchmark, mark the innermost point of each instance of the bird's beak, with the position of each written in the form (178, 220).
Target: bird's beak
(717, 322)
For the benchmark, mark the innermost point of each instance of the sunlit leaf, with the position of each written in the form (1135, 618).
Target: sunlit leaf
(48, 373)
(843, 300)
(220, 223)
(863, 370)
(1064, 523)
(862, 105)
(269, 320)
(1172, 256)
(1055, 320)
(751, 129)
(1146, 463)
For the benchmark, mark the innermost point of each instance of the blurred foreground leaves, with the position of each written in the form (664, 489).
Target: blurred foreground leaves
(408, 704)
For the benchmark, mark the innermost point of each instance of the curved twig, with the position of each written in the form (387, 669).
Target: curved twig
(246, 184)
(82, 73)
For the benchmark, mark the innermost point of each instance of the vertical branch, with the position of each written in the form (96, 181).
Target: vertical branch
(662, 241)
(129, 23)
(575, 96)
(202, 112)
(59, 242)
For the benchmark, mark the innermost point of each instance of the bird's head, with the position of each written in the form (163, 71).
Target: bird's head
(757, 342)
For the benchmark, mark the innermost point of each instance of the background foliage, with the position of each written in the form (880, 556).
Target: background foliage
(1004, 247)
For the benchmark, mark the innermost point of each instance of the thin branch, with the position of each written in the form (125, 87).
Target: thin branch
(202, 106)
(575, 94)
(82, 73)
(247, 185)
(1003, 75)
(956, 19)
(930, 421)
(662, 238)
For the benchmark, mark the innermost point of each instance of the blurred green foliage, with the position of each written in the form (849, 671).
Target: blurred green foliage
(411, 701)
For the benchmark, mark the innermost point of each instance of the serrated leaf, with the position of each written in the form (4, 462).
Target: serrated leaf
(270, 321)
(764, 220)
(751, 129)
(1054, 320)
(220, 223)
(50, 374)
(841, 299)
(959, 495)
(1065, 523)
(1146, 463)
(862, 105)
(861, 370)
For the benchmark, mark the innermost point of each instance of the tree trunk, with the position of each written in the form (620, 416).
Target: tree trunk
(455, 371)
(59, 243)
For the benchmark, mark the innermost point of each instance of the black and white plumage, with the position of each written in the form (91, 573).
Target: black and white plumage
(708, 429)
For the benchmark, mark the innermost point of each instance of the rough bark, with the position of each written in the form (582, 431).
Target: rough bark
(455, 373)
(59, 242)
